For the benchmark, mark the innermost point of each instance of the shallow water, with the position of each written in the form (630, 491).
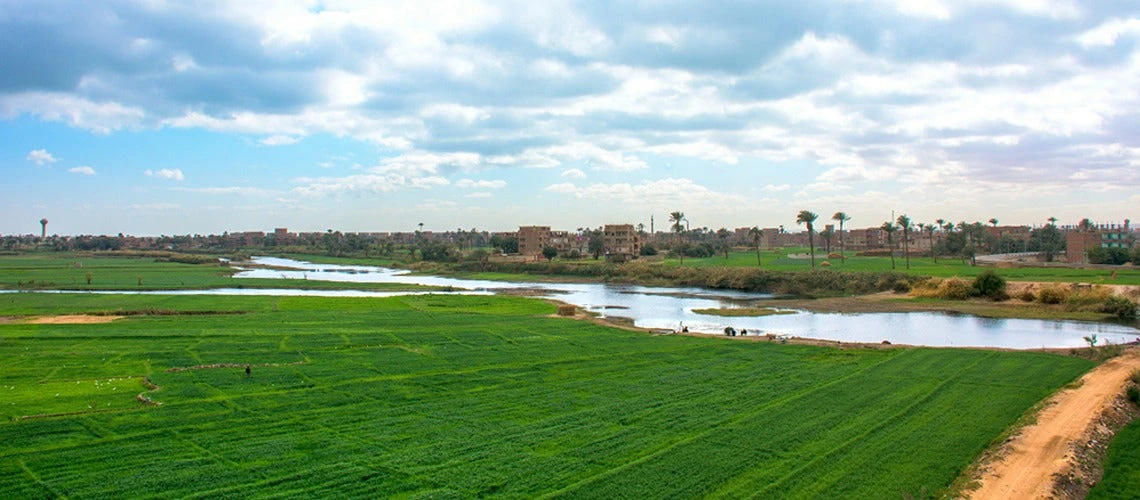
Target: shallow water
(671, 308)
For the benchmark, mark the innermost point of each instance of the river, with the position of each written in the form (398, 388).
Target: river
(670, 308)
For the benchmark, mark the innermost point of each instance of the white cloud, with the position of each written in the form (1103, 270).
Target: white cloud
(373, 183)
(665, 193)
(224, 190)
(99, 117)
(479, 194)
(860, 173)
(40, 157)
(573, 173)
(85, 170)
(480, 184)
(280, 140)
(772, 188)
(165, 173)
(1108, 33)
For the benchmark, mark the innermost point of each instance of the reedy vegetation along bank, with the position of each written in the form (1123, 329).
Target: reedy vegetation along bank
(800, 283)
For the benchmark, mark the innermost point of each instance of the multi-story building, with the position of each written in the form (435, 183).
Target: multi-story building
(1078, 242)
(532, 239)
(871, 238)
(621, 242)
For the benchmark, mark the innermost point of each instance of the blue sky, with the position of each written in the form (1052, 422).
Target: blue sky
(166, 117)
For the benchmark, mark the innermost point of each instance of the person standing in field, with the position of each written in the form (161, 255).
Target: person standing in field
(246, 371)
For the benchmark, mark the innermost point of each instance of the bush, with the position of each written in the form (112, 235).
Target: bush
(989, 284)
(648, 250)
(1053, 294)
(1120, 307)
(1026, 296)
(1091, 300)
(954, 289)
(1111, 256)
(900, 286)
(1134, 394)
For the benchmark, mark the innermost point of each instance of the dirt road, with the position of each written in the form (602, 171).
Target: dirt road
(1040, 450)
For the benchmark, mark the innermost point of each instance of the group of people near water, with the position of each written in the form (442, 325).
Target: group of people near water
(731, 332)
(728, 330)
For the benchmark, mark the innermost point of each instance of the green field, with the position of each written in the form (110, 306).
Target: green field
(70, 272)
(778, 260)
(459, 396)
(1122, 468)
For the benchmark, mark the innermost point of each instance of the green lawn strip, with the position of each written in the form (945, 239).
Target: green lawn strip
(1122, 467)
(71, 272)
(778, 260)
(480, 396)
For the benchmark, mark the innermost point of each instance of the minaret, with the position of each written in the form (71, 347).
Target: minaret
(651, 230)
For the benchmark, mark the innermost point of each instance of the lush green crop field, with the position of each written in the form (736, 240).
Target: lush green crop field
(463, 396)
(922, 266)
(1122, 469)
(778, 260)
(70, 271)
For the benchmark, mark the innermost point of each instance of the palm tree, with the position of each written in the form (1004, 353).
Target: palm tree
(808, 218)
(827, 233)
(930, 234)
(841, 217)
(756, 233)
(676, 218)
(1052, 221)
(43, 228)
(993, 221)
(905, 224)
(889, 228)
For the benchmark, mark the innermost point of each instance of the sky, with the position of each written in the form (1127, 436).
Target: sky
(152, 117)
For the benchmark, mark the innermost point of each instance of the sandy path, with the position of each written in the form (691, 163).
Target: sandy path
(1040, 450)
(72, 319)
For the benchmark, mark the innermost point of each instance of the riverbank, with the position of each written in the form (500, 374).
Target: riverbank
(890, 302)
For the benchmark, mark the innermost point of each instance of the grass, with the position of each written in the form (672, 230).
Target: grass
(1122, 468)
(70, 272)
(778, 260)
(465, 396)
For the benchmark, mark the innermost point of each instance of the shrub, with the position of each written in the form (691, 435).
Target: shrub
(648, 250)
(989, 284)
(1026, 296)
(1090, 299)
(954, 289)
(1053, 294)
(1134, 394)
(901, 287)
(1120, 307)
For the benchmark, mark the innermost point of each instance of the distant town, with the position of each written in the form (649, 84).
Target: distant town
(1084, 242)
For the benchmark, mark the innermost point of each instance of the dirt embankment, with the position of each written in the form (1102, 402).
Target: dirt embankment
(1044, 451)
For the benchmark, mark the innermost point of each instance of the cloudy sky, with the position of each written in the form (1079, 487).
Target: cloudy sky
(172, 117)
